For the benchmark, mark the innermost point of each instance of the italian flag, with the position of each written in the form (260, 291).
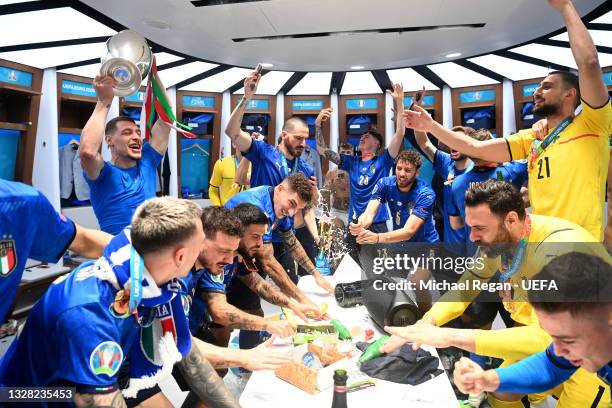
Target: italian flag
(7, 258)
(151, 336)
(156, 101)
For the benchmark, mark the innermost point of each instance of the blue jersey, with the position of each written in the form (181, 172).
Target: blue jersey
(418, 201)
(29, 228)
(117, 192)
(262, 197)
(270, 167)
(87, 335)
(513, 172)
(540, 372)
(205, 282)
(363, 177)
(445, 167)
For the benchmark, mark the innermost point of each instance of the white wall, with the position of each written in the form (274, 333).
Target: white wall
(389, 125)
(509, 114)
(280, 115)
(447, 107)
(225, 143)
(334, 123)
(173, 149)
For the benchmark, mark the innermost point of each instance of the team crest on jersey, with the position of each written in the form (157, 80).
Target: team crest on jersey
(8, 257)
(106, 358)
(186, 302)
(150, 336)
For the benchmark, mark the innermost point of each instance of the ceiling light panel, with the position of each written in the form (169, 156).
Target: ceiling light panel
(356, 83)
(457, 76)
(557, 55)
(410, 79)
(172, 76)
(219, 82)
(165, 58)
(313, 83)
(49, 25)
(605, 19)
(270, 83)
(51, 57)
(513, 69)
(603, 38)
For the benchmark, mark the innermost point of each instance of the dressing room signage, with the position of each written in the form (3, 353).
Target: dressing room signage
(78, 88)
(368, 103)
(529, 89)
(484, 95)
(428, 100)
(306, 104)
(608, 78)
(15, 77)
(258, 104)
(138, 97)
(198, 101)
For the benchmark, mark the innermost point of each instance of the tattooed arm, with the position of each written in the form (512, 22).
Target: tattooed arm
(230, 316)
(234, 318)
(272, 295)
(204, 380)
(112, 399)
(300, 256)
(321, 147)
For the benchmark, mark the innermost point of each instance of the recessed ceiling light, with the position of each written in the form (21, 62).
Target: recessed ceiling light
(357, 67)
(266, 65)
(453, 55)
(160, 25)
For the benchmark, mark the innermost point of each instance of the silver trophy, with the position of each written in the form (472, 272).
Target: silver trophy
(128, 60)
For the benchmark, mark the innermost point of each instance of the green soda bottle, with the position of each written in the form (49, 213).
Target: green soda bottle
(373, 350)
(343, 333)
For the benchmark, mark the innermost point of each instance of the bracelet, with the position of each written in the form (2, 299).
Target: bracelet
(242, 101)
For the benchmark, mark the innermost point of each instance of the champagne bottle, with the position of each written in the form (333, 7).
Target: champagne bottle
(340, 378)
(343, 332)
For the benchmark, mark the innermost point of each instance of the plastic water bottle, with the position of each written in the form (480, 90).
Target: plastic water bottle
(322, 264)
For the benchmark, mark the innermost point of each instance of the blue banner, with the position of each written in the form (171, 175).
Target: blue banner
(198, 101)
(477, 96)
(529, 89)
(428, 100)
(307, 104)
(137, 97)
(608, 78)
(16, 77)
(78, 88)
(370, 103)
(258, 104)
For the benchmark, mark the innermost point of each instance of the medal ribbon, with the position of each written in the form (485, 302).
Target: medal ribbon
(137, 272)
(285, 170)
(519, 254)
(538, 147)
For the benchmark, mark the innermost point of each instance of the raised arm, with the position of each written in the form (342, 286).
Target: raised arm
(302, 259)
(398, 105)
(90, 148)
(322, 148)
(494, 150)
(242, 139)
(592, 87)
(421, 137)
(233, 318)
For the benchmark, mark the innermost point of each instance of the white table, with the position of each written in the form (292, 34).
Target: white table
(264, 389)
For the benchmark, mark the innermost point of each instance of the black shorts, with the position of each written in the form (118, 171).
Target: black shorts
(123, 379)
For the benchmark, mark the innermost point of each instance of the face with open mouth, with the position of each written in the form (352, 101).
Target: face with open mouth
(126, 141)
(405, 172)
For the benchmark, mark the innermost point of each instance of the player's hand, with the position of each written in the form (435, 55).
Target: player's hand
(323, 116)
(417, 97)
(280, 328)
(421, 334)
(324, 284)
(418, 119)
(104, 88)
(250, 84)
(263, 357)
(397, 93)
(367, 237)
(301, 309)
(540, 129)
(356, 228)
(470, 378)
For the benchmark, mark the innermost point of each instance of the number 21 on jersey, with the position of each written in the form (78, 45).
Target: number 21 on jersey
(543, 168)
